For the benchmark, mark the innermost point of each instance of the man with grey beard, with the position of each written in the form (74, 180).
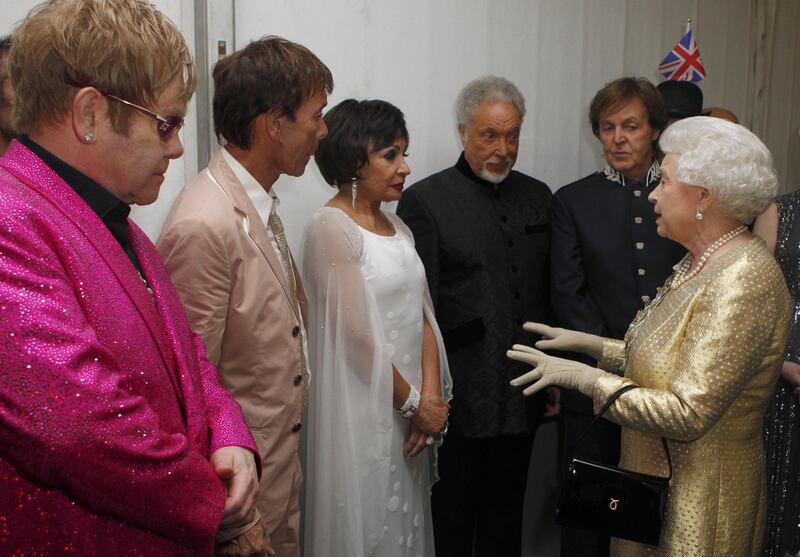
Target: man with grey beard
(6, 96)
(483, 232)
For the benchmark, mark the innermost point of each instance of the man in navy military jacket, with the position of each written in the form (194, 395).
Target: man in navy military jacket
(606, 257)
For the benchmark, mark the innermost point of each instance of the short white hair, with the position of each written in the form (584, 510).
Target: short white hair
(489, 87)
(724, 157)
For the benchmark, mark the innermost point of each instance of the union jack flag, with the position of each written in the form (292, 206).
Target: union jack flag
(683, 61)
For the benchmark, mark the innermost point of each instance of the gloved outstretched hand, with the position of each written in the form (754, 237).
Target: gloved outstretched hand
(556, 338)
(549, 370)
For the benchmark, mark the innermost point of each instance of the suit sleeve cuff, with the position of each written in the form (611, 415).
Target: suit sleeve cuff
(605, 386)
(613, 359)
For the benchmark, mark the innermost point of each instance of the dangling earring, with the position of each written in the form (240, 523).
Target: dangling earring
(354, 191)
(89, 137)
(698, 214)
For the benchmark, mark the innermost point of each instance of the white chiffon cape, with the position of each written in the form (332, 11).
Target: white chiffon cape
(350, 415)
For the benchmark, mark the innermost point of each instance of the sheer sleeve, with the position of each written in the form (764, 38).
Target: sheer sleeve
(350, 417)
(445, 380)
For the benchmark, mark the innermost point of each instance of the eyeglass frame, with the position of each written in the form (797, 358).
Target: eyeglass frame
(167, 126)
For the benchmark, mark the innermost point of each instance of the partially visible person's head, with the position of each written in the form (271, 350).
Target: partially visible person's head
(627, 116)
(277, 79)
(682, 99)
(126, 48)
(489, 113)
(5, 48)
(719, 112)
(366, 143)
(724, 158)
(6, 91)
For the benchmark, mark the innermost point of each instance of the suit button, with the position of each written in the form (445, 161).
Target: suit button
(297, 380)
(295, 330)
(297, 427)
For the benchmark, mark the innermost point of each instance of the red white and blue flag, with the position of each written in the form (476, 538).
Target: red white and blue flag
(683, 61)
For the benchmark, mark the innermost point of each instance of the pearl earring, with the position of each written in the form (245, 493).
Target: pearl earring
(354, 191)
(89, 137)
(698, 214)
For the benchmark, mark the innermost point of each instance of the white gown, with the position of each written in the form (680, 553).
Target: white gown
(367, 295)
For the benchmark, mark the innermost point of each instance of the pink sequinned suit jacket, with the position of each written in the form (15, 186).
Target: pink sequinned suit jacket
(109, 410)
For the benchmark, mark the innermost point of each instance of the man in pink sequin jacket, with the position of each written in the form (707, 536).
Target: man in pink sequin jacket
(116, 438)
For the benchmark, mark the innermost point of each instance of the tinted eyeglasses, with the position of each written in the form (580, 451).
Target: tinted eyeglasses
(167, 126)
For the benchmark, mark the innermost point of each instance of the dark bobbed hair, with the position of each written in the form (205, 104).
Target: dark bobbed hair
(271, 73)
(356, 128)
(617, 93)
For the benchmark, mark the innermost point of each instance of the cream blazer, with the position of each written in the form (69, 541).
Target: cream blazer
(234, 289)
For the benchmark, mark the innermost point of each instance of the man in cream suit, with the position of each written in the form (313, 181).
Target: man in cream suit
(224, 247)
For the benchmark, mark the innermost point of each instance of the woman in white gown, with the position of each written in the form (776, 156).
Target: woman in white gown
(375, 351)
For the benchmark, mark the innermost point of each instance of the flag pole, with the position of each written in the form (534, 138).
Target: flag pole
(688, 24)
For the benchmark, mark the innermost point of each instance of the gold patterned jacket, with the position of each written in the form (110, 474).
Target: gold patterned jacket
(706, 356)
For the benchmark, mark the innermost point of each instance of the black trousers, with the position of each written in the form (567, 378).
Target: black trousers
(477, 503)
(601, 445)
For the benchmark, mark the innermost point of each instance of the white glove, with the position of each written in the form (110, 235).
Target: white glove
(549, 370)
(556, 338)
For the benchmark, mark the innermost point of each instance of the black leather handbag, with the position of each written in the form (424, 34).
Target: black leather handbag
(610, 500)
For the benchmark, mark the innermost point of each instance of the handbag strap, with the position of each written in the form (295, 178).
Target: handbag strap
(611, 400)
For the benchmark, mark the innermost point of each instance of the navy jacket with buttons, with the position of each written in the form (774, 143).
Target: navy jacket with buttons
(606, 258)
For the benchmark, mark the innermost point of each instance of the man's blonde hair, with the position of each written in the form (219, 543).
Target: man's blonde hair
(123, 47)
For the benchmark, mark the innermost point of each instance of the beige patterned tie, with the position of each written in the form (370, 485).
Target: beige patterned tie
(280, 238)
(276, 226)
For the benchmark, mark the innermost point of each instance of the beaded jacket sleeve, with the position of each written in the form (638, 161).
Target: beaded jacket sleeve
(781, 432)
(706, 356)
(787, 255)
(108, 409)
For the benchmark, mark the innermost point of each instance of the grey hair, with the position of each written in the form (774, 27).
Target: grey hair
(725, 157)
(487, 87)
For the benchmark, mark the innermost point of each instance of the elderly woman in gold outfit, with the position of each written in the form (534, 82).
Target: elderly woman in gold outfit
(705, 353)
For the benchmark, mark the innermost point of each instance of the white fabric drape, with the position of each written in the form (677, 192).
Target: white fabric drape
(350, 423)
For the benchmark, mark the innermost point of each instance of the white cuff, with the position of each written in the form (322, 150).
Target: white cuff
(411, 404)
